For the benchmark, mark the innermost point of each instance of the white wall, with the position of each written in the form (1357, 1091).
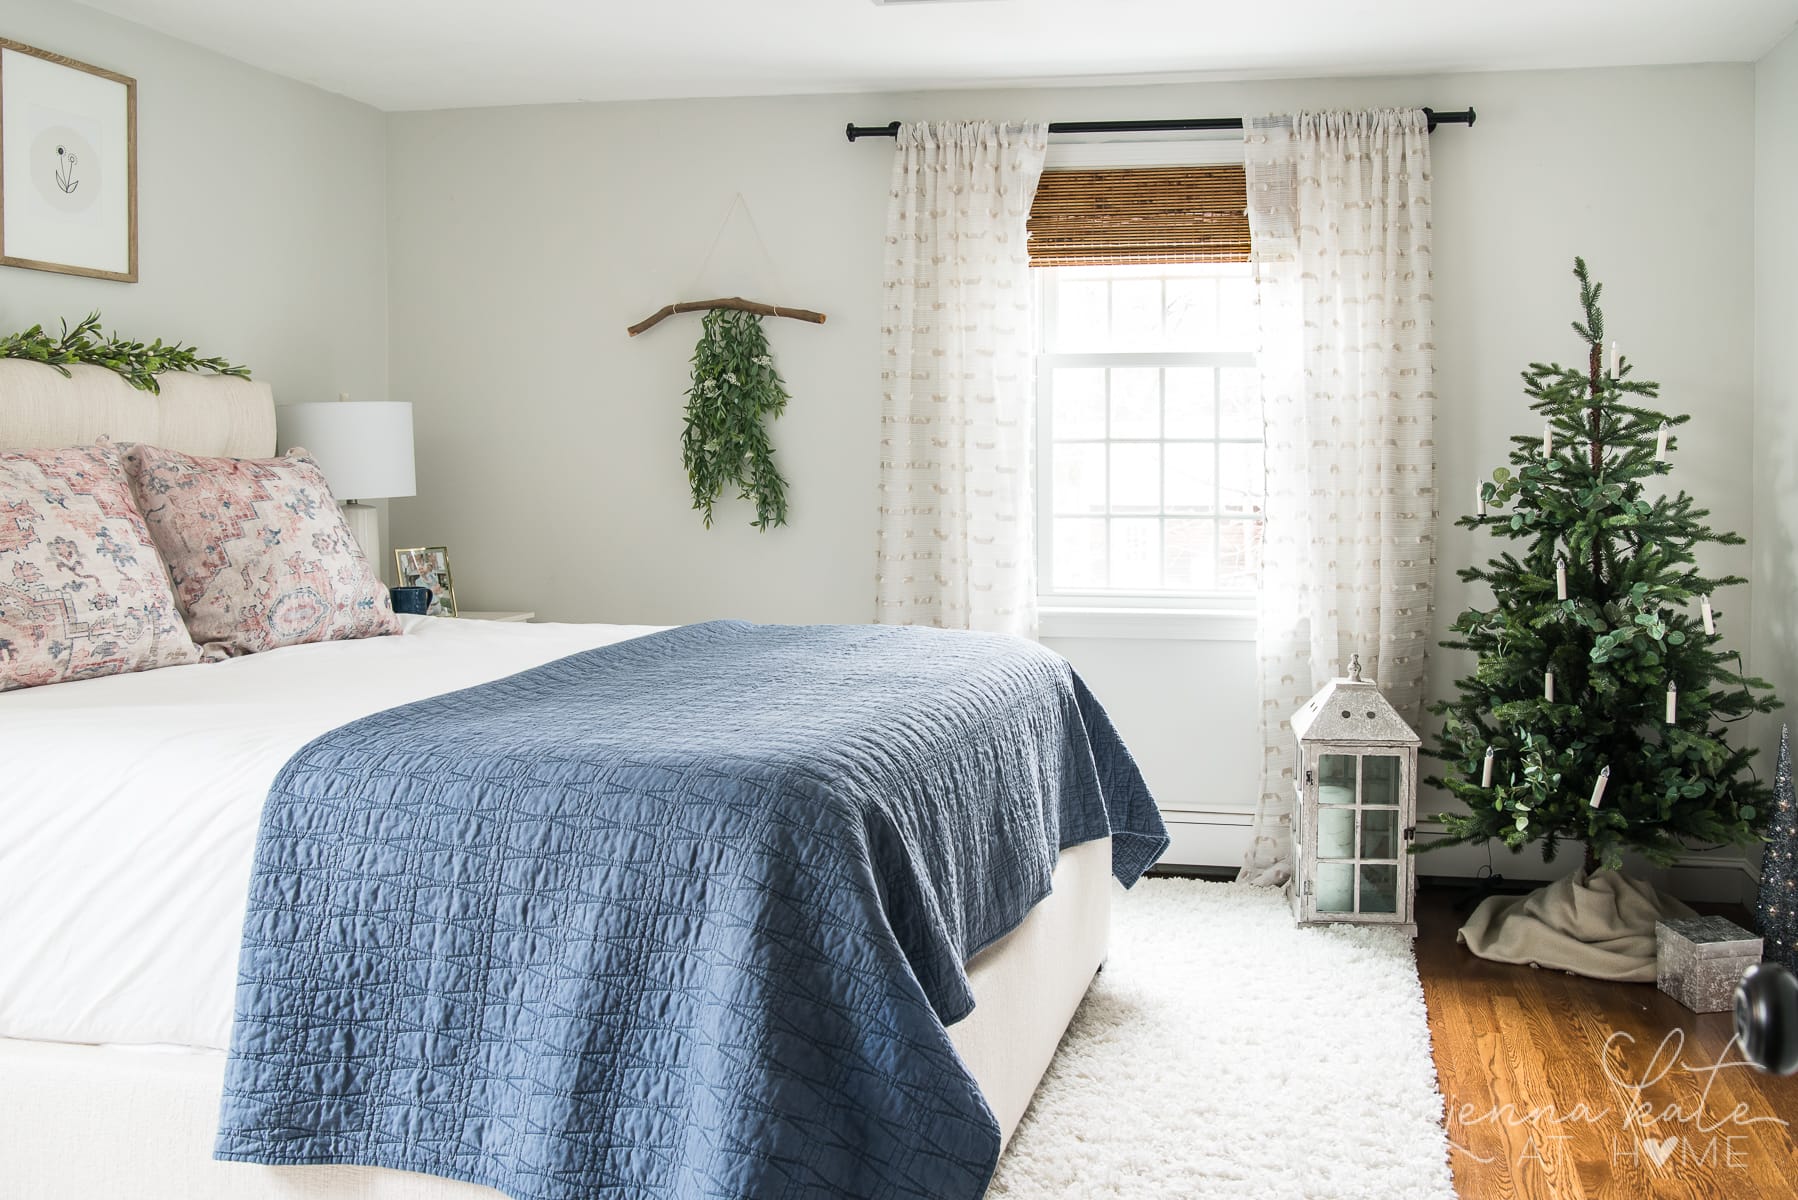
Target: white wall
(261, 209)
(1775, 541)
(524, 240)
(1649, 175)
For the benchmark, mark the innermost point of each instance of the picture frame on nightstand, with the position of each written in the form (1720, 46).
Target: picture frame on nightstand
(428, 567)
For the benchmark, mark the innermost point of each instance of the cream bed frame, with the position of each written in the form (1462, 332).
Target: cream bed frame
(79, 1122)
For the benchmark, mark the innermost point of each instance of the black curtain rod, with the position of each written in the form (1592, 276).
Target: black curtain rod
(854, 131)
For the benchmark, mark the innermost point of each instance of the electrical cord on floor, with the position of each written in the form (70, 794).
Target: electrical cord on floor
(1486, 883)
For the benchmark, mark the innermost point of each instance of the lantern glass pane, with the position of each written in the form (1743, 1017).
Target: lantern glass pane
(1379, 889)
(1380, 778)
(1335, 887)
(1379, 833)
(1335, 833)
(1335, 779)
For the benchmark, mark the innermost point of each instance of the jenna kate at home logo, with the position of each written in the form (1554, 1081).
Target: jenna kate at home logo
(1661, 1113)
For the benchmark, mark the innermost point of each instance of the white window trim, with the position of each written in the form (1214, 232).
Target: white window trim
(1151, 358)
(1183, 619)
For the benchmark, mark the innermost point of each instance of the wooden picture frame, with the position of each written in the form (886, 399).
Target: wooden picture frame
(428, 567)
(63, 124)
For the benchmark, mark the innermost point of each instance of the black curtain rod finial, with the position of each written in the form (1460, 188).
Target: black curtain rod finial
(853, 131)
(1465, 117)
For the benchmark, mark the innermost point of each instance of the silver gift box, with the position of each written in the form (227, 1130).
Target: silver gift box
(1700, 960)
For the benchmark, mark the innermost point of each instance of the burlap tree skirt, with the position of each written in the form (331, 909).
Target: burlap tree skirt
(1602, 926)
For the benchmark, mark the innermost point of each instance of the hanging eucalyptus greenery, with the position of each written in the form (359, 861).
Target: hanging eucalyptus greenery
(736, 392)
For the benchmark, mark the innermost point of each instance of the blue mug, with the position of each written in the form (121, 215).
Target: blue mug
(411, 600)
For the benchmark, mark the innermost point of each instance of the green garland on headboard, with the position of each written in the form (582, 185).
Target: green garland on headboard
(137, 363)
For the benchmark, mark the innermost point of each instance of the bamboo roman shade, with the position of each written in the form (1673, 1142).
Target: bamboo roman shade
(1140, 215)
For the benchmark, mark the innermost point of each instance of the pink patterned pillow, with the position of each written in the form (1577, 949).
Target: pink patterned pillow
(259, 553)
(82, 592)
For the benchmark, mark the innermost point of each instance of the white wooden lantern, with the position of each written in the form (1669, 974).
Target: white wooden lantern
(1357, 808)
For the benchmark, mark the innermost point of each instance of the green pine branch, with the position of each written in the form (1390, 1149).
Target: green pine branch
(137, 363)
(1630, 626)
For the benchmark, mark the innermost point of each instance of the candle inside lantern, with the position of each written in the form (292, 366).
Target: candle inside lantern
(1548, 686)
(1336, 829)
(1660, 445)
(1710, 620)
(1486, 771)
(1616, 360)
(1673, 704)
(1560, 579)
(1548, 438)
(1604, 777)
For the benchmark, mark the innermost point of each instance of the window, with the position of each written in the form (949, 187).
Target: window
(1150, 439)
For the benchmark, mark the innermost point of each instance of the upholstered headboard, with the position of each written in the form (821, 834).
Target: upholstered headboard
(212, 415)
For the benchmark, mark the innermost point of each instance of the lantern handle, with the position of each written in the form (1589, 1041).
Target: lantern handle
(1354, 672)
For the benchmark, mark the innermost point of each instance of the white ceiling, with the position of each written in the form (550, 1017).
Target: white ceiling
(417, 54)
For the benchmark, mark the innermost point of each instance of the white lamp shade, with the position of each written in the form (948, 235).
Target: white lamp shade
(364, 447)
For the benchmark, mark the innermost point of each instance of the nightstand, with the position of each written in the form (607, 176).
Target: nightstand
(465, 615)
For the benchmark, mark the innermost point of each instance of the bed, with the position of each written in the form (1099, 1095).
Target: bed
(130, 822)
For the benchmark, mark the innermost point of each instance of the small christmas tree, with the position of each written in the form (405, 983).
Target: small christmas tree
(1777, 911)
(1593, 710)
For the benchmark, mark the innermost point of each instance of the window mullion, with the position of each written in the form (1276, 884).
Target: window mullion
(1217, 468)
(1046, 499)
(1107, 444)
(1161, 463)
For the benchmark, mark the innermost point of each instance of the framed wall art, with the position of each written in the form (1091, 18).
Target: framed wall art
(68, 165)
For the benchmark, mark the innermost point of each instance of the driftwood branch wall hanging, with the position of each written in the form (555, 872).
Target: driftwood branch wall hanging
(737, 302)
(735, 392)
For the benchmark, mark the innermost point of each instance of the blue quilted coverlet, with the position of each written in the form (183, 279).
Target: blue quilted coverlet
(680, 917)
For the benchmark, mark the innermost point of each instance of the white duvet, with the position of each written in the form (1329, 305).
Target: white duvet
(129, 808)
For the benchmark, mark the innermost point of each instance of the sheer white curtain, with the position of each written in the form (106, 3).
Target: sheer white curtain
(957, 545)
(1339, 211)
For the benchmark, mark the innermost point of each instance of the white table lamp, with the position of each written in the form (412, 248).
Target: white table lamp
(364, 448)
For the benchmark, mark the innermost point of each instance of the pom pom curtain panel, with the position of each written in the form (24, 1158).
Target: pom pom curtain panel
(958, 376)
(1339, 219)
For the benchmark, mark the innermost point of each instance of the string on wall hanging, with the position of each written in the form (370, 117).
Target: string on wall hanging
(734, 393)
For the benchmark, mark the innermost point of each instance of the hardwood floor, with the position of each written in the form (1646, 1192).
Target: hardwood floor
(1564, 1088)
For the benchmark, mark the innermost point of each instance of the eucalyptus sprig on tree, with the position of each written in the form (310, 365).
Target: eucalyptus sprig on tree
(1630, 626)
(736, 392)
(137, 363)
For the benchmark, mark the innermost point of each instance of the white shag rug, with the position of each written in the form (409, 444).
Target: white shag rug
(1226, 1053)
